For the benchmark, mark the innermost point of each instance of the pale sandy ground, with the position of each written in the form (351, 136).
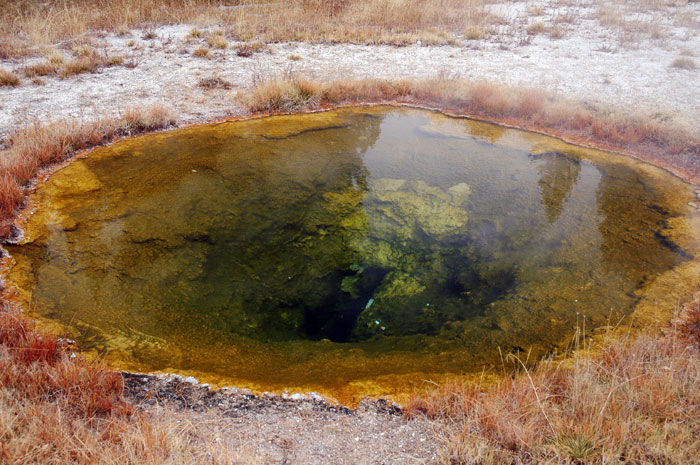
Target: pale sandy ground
(628, 71)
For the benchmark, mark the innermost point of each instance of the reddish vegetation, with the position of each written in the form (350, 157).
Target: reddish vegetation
(689, 321)
(632, 401)
(8, 78)
(39, 146)
(36, 367)
(54, 407)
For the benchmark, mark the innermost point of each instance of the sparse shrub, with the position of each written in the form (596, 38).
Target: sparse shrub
(214, 83)
(202, 52)
(54, 56)
(89, 64)
(473, 33)
(217, 41)
(247, 49)
(79, 66)
(8, 78)
(488, 98)
(123, 31)
(284, 95)
(44, 68)
(689, 322)
(156, 116)
(537, 27)
(684, 63)
(150, 35)
(114, 60)
(84, 50)
(195, 33)
(567, 17)
(10, 194)
(556, 32)
(536, 10)
(131, 43)
(579, 446)
(294, 57)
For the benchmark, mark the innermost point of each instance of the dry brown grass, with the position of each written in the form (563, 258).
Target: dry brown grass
(56, 408)
(648, 136)
(536, 27)
(44, 68)
(247, 49)
(88, 60)
(80, 65)
(395, 22)
(8, 78)
(215, 82)
(41, 145)
(217, 40)
(202, 52)
(632, 401)
(360, 21)
(684, 63)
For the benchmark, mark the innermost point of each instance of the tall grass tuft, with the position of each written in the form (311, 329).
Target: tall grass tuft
(632, 401)
(57, 408)
(8, 78)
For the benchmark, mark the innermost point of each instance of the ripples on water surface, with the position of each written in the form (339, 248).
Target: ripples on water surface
(347, 252)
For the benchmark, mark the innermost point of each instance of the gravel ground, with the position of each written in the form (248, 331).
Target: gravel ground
(288, 429)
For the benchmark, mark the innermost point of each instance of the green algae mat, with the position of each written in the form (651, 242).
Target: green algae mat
(351, 252)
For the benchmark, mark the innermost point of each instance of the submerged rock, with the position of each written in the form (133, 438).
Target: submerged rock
(406, 209)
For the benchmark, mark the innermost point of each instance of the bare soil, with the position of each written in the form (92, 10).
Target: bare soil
(295, 428)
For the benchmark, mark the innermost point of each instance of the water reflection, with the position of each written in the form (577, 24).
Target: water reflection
(558, 175)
